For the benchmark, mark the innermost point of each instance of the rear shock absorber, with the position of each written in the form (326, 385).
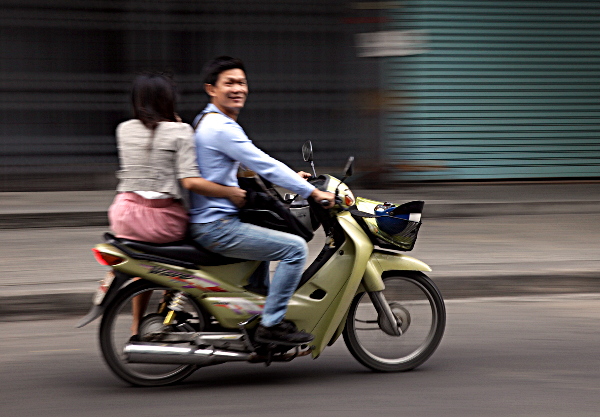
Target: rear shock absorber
(176, 304)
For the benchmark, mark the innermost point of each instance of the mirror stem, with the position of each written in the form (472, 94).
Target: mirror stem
(312, 164)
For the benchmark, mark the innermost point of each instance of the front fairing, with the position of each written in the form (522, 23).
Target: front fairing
(321, 304)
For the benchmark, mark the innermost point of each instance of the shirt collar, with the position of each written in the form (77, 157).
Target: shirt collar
(210, 107)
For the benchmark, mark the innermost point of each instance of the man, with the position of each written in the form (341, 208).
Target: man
(222, 145)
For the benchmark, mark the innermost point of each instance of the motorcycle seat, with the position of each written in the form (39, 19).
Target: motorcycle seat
(185, 251)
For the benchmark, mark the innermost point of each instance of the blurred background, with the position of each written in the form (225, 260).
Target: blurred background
(416, 90)
(487, 110)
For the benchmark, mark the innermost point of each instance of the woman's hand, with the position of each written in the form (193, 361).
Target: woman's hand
(211, 189)
(237, 196)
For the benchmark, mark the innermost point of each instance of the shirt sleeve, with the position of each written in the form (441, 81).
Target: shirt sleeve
(239, 147)
(186, 162)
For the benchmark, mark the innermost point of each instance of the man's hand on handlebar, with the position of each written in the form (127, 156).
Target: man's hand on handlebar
(326, 199)
(304, 175)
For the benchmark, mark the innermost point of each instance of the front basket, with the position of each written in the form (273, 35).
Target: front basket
(404, 240)
(400, 234)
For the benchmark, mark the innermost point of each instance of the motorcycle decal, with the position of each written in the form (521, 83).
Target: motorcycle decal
(207, 285)
(239, 305)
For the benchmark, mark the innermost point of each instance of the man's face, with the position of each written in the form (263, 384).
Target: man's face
(230, 92)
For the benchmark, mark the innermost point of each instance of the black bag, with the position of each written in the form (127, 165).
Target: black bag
(265, 208)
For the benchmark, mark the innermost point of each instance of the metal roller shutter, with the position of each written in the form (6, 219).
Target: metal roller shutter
(504, 90)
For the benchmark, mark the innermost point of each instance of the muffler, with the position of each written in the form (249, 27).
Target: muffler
(169, 354)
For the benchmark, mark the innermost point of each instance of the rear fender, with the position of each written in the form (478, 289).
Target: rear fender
(96, 311)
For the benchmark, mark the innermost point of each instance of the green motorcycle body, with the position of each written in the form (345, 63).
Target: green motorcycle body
(319, 306)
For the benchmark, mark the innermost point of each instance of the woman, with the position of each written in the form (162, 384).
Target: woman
(157, 157)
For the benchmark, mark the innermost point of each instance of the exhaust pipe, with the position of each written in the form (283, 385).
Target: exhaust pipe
(165, 354)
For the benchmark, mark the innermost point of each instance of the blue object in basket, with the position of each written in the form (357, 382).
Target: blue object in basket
(391, 223)
(394, 219)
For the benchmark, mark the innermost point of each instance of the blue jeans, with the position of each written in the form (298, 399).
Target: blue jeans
(231, 237)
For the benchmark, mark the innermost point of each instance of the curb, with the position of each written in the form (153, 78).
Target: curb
(433, 210)
(487, 209)
(39, 220)
(45, 306)
(77, 304)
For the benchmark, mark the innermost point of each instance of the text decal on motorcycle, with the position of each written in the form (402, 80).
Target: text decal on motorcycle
(180, 276)
(239, 305)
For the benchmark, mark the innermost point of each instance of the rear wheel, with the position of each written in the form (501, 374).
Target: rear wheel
(419, 309)
(115, 332)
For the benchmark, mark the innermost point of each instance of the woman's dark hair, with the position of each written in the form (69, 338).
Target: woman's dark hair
(218, 65)
(153, 98)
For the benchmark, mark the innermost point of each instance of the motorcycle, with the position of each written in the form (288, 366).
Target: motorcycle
(198, 309)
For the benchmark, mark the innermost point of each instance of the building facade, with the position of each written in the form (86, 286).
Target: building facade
(66, 69)
(494, 90)
(418, 90)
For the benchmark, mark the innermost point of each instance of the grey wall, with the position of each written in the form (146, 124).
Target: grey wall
(66, 67)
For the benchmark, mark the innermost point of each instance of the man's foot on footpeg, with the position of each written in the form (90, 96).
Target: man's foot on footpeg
(284, 333)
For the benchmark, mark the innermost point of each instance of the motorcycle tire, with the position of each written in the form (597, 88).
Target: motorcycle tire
(115, 331)
(419, 308)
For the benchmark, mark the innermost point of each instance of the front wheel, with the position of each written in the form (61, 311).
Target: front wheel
(115, 332)
(419, 309)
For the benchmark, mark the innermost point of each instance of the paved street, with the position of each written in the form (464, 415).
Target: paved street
(514, 356)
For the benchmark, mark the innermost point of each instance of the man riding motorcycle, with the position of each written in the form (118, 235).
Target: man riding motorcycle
(221, 146)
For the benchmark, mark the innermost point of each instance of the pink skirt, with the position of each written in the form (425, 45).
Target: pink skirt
(132, 216)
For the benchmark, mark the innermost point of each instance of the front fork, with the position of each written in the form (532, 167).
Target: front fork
(385, 317)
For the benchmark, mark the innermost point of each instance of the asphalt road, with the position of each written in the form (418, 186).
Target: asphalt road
(511, 356)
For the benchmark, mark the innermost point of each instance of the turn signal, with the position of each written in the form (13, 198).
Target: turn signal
(106, 258)
(348, 200)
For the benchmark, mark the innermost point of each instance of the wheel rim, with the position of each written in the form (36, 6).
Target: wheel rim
(412, 304)
(121, 332)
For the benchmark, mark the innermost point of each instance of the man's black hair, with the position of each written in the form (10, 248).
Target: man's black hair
(218, 65)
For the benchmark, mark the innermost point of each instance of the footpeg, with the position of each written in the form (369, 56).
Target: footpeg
(242, 325)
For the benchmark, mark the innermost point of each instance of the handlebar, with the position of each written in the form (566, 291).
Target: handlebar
(325, 203)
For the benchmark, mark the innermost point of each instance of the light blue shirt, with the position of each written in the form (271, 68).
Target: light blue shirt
(221, 145)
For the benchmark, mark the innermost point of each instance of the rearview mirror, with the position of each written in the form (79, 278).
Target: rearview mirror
(307, 151)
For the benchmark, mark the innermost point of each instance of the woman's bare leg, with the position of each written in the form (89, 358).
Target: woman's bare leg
(139, 305)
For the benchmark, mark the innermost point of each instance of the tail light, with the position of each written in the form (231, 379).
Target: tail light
(107, 259)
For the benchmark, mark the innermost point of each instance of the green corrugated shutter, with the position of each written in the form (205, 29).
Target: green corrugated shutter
(506, 89)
